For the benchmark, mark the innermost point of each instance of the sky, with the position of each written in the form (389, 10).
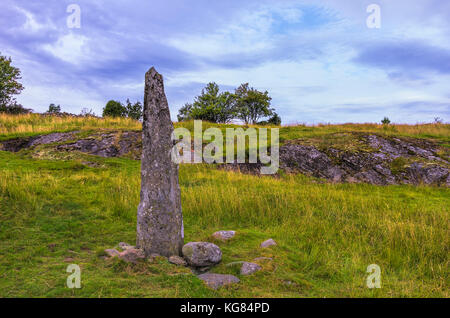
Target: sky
(319, 60)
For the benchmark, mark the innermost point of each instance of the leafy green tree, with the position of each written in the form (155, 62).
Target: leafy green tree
(210, 105)
(9, 84)
(114, 109)
(54, 109)
(14, 108)
(274, 120)
(251, 104)
(134, 110)
(386, 121)
(185, 112)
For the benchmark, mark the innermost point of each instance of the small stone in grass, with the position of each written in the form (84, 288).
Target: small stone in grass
(224, 235)
(249, 268)
(216, 281)
(267, 243)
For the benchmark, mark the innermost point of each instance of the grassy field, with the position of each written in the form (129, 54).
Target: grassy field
(59, 212)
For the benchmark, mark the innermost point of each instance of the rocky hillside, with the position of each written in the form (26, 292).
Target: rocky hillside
(339, 157)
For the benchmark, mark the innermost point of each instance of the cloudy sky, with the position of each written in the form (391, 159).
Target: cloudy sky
(319, 60)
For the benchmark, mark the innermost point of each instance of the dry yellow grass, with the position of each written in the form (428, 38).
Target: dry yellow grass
(29, 124)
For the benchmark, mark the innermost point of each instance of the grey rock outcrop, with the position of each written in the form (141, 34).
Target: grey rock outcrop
(17, 144)
(159, 216)
(216, 281)
(381, 161)
(200, 254)
(111, 144)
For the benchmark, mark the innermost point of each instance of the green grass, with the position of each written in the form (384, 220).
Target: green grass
(57, 212)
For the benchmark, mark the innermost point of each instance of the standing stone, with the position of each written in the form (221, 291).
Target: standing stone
(159, 216)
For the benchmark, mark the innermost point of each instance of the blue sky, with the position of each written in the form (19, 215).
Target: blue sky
(318, 59)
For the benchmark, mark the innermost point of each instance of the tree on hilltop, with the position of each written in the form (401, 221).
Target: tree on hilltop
(114, 109)
(251, 104)
(10, 86)
(54, 109)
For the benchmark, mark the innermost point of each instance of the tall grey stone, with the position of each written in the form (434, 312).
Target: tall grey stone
(159, 216)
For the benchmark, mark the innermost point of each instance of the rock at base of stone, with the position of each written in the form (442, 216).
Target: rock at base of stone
(112, 252)
(132, 255)
(153, 257)
(125, 246)
(216, 281)
(249, 268)
(177, 260)
(224, 235)
(267, 243)
(200, 254)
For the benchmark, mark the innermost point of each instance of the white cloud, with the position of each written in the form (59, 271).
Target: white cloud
(70, 48)
(32, 25)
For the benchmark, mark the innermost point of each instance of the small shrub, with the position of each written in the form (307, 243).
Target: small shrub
(386, 121)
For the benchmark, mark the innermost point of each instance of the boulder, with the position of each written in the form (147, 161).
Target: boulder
(200, 254)
(267, 243)
(224, 235)
(216, 281)
(249, 268)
